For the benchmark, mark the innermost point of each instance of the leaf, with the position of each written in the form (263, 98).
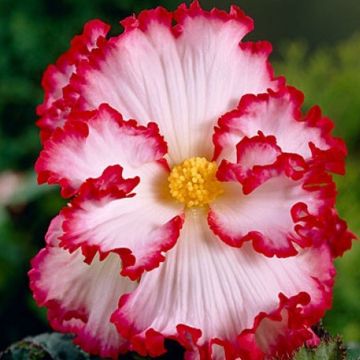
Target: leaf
(353, 351)
(56, 346)
(53, 346)
(329, 349)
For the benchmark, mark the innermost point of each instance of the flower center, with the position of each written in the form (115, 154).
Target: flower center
(194, 183)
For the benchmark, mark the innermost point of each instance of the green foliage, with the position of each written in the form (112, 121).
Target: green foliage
(353, 351)
(327, 350)
(53, 346)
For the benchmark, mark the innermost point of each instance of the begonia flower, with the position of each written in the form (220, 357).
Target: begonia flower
(202, 202)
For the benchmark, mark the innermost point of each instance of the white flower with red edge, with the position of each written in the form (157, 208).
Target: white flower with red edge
(202, 202)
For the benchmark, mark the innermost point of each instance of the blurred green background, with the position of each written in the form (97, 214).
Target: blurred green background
(317, 47)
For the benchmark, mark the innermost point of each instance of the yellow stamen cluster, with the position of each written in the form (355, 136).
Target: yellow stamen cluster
(193, 182)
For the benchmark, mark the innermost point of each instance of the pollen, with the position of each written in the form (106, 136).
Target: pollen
(194, 182)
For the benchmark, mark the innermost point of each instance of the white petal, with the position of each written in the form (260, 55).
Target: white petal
(81, 297)
(140, 228)
(87, 146)
(183, 82)
(265, 215)
(205, 284)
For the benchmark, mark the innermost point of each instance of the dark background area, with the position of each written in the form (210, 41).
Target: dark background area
(316, 46)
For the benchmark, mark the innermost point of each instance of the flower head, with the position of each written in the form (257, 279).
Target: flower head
(202, 202)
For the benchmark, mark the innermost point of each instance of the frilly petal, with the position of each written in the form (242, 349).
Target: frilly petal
(106, 217)
(80, 297)
(279, 114)
(219, 301)
(54, 110)
(91, 142)
(272, 209)
(183, 76)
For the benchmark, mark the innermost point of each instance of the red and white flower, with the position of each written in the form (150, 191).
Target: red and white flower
(202, 202)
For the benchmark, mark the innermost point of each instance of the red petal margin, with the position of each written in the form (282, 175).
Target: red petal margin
(194, 10)
(236, 14)
(132, 270)
(232, 123)
(308, 229)
(56, 311)
(77, 129)
(181, 14)
(332, 159)
(65, 321)
(329, 226)
(54, 110)
(111, 183)
(258, 159)
(175, 22)
(288, 327)
(109, 186)
(63, 318)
